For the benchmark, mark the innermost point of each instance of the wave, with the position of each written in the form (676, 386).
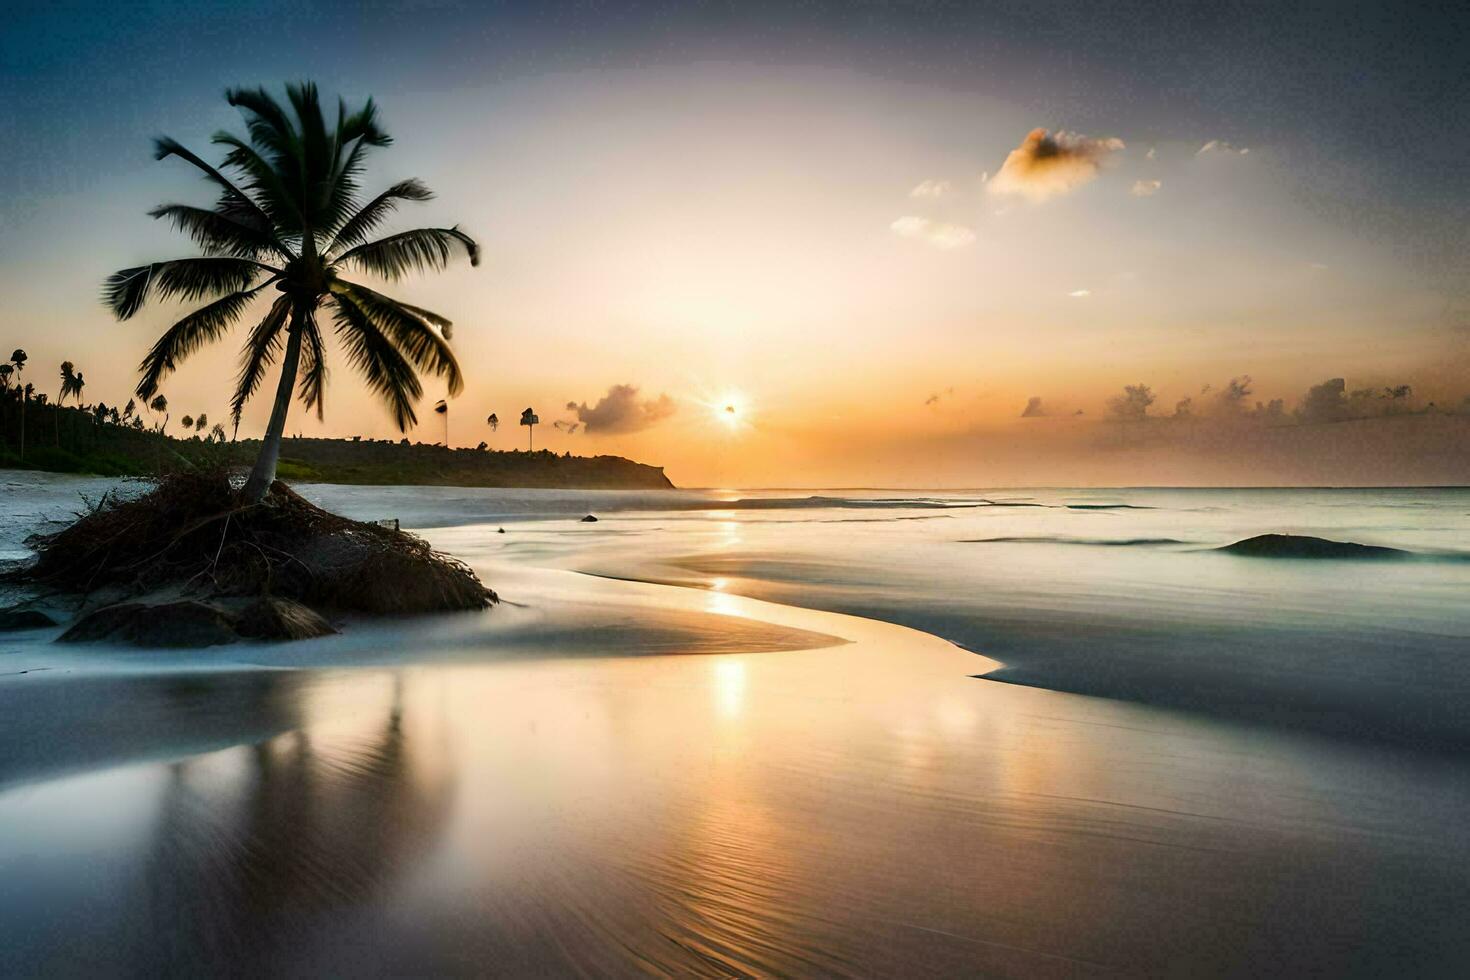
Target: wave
(1095, 542)
(1107, 507)
(857, 503)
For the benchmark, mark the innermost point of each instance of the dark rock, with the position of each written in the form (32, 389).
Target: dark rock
(1305, 546)
(272, 618)
(501, 531)
(589, 519)
(24, 619)
(185, 623)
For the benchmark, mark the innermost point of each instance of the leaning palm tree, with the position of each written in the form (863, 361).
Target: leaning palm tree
(289, 216)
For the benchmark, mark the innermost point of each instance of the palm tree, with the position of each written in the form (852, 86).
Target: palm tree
(289, 216)
(68, 379)
(188, 421)
(201, 423)
(529, 418)
(159, 404)
(18, 358)
(493, 421)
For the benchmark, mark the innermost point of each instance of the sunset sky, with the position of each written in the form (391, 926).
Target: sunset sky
(874, 230)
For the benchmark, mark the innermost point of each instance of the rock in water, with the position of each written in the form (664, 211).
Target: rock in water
(24, 619)
(271, 618)
(589, 519)
(1305, 546)
(185, 623)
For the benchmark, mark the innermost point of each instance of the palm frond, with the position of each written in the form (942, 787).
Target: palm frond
(410, 333)
(221, 234)
(127, 290)
(313, 366)
(258, 354)
(386, 371)
(420, 250)
(272, 189)
(269, 126)
(311, 125)
(204, 325)
(354, 230)
(233, 200)
(363, 125)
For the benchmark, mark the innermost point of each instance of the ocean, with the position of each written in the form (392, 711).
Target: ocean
(1015, 732)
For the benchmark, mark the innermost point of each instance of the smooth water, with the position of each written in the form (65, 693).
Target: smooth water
(691, 743)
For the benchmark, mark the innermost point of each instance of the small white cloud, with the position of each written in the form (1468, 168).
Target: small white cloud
(984, 176)
(1080, 293)
(1146, 188)
(1221, 146)
(1152, 153)
(931, 189)
(936, 233)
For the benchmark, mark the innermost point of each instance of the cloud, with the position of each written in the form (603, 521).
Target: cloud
(1048, 165)
(570, 428)
(1221, 146)
(621, 410)
(1033, 409)
(1146, 188)
(936, 233)
(1080, 293)
(1153, 153)
(931, 189)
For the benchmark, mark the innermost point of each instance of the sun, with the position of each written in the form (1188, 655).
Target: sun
(730, 409)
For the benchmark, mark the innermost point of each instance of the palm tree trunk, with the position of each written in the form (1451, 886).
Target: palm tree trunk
(264, 472)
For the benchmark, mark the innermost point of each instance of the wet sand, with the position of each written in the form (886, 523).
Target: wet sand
(860, 807)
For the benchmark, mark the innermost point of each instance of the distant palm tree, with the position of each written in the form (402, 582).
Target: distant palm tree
(68, 381)
(129, 409)
(188, 421)
(217, 433)
(18, 358)
(201, 422)
(159, 405)
(493, 421)
(289, 216)
(6, 371)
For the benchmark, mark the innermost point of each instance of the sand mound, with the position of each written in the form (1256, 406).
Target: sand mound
(191, 537)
